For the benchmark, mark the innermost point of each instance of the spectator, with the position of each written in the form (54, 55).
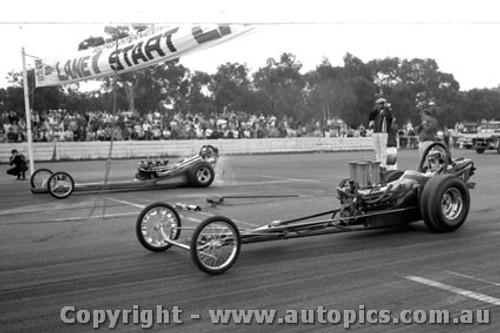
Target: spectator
(57, 125)
(426, 131)
(380, 120)
(20, 166)
(12, 135)
(392, 146)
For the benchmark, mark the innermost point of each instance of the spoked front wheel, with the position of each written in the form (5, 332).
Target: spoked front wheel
(40, 178)
(61, 185)
(215, 245)
(156, 224)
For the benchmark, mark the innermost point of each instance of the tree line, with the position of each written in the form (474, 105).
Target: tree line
(278, 87)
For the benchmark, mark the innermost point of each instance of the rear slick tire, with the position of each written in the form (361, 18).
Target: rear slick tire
(201, 175)
(444, 203)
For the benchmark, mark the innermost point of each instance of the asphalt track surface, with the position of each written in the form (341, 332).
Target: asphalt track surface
(83, 252)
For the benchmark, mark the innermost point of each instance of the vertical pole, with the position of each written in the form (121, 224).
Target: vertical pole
(28, 115)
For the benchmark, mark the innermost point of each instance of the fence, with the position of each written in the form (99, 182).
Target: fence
(63, 151)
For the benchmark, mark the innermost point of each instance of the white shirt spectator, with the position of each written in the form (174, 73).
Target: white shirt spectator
(156, 133)
(166, 134)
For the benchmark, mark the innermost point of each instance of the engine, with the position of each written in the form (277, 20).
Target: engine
(148, 169)
(365, 190)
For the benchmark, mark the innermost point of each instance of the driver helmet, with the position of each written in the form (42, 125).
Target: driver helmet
(436, 155)
(435, 158)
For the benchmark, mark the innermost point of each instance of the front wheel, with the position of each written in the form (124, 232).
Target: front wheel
(444, 203)
(156, 224)
(40, 178)
(480, 150)
(215, 245)
(61, 185)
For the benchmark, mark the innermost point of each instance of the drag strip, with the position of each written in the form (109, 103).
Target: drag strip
(83, 252)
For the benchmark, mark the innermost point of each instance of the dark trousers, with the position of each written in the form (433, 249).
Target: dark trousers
(17, 171)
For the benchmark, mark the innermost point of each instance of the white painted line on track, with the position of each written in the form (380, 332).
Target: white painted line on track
(210, 215)
(190, 218)
(95, 216)
(293, 179)
(127, 203)
(473, 278)
(459, 291)
(235, 183)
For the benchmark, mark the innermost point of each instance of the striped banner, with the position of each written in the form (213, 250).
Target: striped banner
(149, 47)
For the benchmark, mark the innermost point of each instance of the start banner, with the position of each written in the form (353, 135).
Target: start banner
(149, 47)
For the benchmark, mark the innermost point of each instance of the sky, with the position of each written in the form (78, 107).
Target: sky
(462, 36)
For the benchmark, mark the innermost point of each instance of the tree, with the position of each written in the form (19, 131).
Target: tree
(479, 104)
(327, 93)
(230, 87)
(281, 86)
(41, 98)
(414, 85)
(138, 85)
(199, 97)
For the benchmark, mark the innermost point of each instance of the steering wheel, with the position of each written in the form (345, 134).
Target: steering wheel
(435, 158)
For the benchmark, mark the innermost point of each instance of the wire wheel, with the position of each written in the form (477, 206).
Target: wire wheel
(156, 224)
(40, 178)
(61, 185)
(215, 245)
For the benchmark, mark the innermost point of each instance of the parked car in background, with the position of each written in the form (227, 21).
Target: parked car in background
(465, 133)
(487, 137)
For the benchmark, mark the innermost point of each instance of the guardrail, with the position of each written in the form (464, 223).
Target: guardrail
(63, 151)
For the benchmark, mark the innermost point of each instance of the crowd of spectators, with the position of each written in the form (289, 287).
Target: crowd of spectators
(64, 125)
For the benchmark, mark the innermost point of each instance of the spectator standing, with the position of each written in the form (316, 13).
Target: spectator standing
(392, 146)
(380, 120)
(426, 131)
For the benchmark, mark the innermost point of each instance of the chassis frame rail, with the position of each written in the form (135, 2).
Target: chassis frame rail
(216, 241)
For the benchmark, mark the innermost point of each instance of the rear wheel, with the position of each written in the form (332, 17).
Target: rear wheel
(444, 203)
(40, 178)
(215, 245)
(61, 185)
(201, 175)
(480, 150)
(157, 223)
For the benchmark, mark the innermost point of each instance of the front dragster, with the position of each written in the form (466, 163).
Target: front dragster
(199, 168)
(437, 192)
(196, 171)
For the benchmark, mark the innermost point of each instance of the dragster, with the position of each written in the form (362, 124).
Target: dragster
(196, 171)
(437, 193)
